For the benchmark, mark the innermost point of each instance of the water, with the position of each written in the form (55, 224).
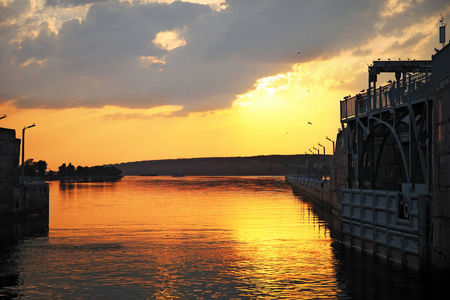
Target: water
(190, 238)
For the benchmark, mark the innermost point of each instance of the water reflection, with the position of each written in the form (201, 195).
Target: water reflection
(12, 234)
(190, 238)
(364, 276)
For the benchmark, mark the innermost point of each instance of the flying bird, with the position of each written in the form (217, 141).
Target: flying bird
(309, 123)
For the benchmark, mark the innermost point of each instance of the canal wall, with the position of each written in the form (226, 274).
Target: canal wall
(440, 208)
(18, 199)
(390, 178)
(318, 184)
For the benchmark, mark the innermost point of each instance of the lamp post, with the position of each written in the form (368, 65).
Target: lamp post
(317, 150)
(311, 151)
(322, 147)
(23, 148)
(2, 117)
(332, 142)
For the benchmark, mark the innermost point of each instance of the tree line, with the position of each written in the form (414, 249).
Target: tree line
(39, 168)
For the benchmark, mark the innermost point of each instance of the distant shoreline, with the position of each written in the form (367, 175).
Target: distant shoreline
(73, 178)
(263, 165)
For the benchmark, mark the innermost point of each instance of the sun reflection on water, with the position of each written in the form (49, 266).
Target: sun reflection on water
(184, 238)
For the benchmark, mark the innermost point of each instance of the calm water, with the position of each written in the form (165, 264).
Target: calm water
(189, 238)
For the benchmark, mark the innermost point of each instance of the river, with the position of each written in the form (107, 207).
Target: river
(190, 238)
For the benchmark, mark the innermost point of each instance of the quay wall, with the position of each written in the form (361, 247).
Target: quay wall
(18, 200)
(440, 207)
(324, 192)
(316, 189)
(409, 224)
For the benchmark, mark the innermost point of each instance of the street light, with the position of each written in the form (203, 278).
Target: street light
(332, 142)
(4, 116)
(317, 150)
(322, 147)
(23, 147)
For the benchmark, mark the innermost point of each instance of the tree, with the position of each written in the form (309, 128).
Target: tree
(62, 169)
(70, 170)
(29, 167)
(41, 167)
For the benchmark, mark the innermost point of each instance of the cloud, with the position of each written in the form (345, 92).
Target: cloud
(409, 43)
(65, 3)
(409, 13)
(144, 55)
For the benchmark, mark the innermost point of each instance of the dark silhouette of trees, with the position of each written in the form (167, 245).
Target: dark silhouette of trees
(97, 171)
(32, 168)
(41, 167)
(29, 167)
(62, 169)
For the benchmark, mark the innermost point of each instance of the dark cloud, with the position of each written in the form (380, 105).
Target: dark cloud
(409, 43)
(105, 59)
(414, 14)
(11, 11)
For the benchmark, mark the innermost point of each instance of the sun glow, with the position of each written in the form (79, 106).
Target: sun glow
(169, 40)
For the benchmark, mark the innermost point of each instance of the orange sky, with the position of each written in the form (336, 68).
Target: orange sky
(270, 117)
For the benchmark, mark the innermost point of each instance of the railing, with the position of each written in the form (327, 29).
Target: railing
(386, 96)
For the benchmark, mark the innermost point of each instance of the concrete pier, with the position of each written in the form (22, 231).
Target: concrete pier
(18, 200)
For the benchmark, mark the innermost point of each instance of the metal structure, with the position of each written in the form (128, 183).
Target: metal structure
(387, 140)
(23, 147)
(332, 142)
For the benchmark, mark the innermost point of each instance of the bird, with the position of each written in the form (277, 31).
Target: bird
(361, 91)
(379, 59)
(435, 49)
(298, 52)
(389, 81)
(389, 59)
(399, 58)
(408, 59)
(309, 123)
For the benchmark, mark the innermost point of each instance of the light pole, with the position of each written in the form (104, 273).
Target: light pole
(23, 148)
(332, 142)
(317, 150)
(2, 117)
(322, 147)
(311, 151)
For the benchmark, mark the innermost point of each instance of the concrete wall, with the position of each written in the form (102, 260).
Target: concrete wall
(440, 210)
(338, 178)
(317, 190)
(17, 200)
(9, 172)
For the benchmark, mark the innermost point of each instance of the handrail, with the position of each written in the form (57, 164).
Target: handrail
(393, 94)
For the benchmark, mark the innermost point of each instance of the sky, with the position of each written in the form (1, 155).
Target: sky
(111, 81)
